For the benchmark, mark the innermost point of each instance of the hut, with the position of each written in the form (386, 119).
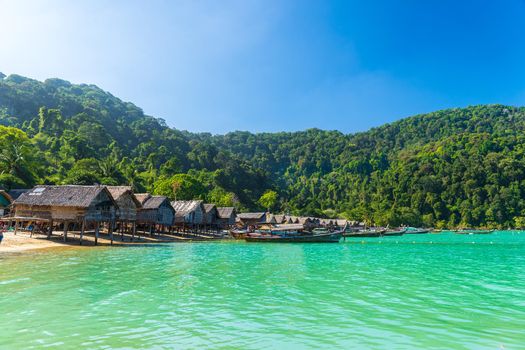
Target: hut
(226, 217)
(210, 215)
(189, 213)
(155, 212)
(279, 219)
(252, 219)
(128, 207)
(83, 206)
(5, 202)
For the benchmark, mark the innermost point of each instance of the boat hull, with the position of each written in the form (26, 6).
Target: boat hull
(320, 238)
(474, 232)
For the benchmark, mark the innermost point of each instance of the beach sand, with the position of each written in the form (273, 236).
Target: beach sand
(23, 242)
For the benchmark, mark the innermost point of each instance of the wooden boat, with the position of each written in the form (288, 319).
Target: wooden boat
(238, 234)
(332, 237)
(364, 233)
(394, 233)
(416, 231)
(473, 232)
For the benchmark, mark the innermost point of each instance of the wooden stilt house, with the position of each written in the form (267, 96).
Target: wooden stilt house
(252, 219)
(128, 207)
(210, 215)
(156, 212)
(82, 206)
(189, 214)
(226, 217)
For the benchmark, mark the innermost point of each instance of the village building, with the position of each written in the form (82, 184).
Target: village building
(210, 215)
(81, 206)
(128, 207)
(252, 219)
(226, 217)
(189, 213)
(155, 212)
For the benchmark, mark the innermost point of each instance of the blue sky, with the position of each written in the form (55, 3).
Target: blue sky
(219, 66)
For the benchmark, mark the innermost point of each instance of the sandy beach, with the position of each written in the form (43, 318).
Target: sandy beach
(22, 242)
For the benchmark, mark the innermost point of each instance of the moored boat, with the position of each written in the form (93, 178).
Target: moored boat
(332, 237)
(416, 231)
(238, 234)
(473, 232)
(364, 233)
(394, 233)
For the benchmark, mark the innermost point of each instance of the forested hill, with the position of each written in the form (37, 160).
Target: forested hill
(456, 167)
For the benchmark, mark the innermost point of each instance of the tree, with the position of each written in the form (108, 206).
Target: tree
(268, 200)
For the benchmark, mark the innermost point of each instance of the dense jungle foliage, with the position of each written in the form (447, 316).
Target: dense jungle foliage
(456, 167)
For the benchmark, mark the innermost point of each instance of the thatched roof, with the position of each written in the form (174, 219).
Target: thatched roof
(142, 197)
(61, 196)
(289, 227)
(251, 216)
(209, 207)
(119, 191)
(154, 202)
(225, 212)
(279, 218)
(182, 208)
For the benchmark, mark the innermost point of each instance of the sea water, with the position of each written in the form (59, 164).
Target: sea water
(440, 291)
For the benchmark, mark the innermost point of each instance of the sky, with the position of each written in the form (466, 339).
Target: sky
(220, 66)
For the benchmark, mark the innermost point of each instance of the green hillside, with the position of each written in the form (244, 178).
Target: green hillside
(448, 168)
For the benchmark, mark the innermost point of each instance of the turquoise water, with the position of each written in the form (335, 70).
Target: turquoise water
(440, 291)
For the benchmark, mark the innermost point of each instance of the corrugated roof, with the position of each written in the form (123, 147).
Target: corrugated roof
(225, 212)
(63, 196)
(182, 208)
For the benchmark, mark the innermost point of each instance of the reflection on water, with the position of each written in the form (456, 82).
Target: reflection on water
(415, 291)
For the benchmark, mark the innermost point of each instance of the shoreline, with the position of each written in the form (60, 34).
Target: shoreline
(22, 242)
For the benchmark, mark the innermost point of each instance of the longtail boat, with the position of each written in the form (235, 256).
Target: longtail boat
(332, 237)
(473, 232)
(416, 231)
(238, 234)
(365, 233)
(394, 233)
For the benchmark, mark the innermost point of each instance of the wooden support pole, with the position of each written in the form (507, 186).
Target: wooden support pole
(82, 228)
(134, 231)
(150, 229)
(66, 224)
(110, 228)
(50, 230)
(16, 227)
(97, 230)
